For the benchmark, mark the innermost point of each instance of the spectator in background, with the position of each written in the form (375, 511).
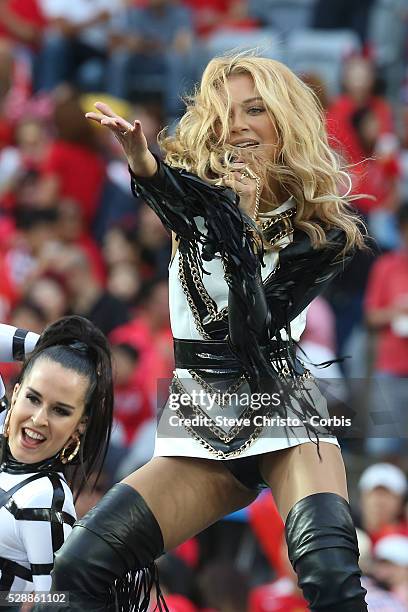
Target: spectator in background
(23, 136)
(32, 141)
(120, 244)
(177, 582)
(153, 242)
(211, 15)
(156, 39)
(75, 44)
(378, 598)
(390, 566)
(317, 348)
(318, 342)
(140, 451)
(386, 306)
(6, 82)
(140, 241)
(23, 259)
(359, 92)
(267, 525)
(382, 490)
(377, 177)
(132, 406)
(87, 296)
(124, 282)
(71, 230)
(149, 332)
(28, 315)
(402, 110)
(22, 22)
(281, 595)
(122, 256)
(223, 588)
(346, 297)
(72, 167)
(21, 163)
(49, 293)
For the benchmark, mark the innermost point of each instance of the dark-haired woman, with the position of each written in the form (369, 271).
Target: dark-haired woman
(75, 148)
(55, 434)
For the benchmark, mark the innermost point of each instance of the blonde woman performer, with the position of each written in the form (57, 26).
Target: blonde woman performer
(255, 200)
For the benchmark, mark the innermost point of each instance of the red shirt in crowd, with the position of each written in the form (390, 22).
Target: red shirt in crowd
(179, 603)
(399, 528)
(375, 178)
(154, 362)
(80, 172)
(9, 293)
(388, 285)
(132, 407)
(268, 527)
(210, 15)
(6, 133)
(341, 132)
(28, 11)
(279, 596)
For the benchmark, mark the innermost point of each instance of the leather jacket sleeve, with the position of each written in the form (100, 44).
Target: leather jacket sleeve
(179, 197)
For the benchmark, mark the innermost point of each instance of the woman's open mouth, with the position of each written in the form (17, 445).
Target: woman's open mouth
(247, 144)
(31, 438)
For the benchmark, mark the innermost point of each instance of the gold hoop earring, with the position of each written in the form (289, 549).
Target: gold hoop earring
(72, 455)
(6, 426)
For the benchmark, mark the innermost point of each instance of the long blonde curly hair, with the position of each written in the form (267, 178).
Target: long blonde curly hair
(305, 166)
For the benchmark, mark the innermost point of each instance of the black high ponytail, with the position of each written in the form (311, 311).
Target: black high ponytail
(76, 344)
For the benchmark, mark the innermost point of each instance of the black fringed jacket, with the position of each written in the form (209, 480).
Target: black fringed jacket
(256, 311)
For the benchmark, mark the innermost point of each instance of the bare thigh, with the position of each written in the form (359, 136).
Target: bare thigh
(294, 473)
(186, 495)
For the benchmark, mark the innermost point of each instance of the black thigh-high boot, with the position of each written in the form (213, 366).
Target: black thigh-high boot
(323, 549)
(107, 562)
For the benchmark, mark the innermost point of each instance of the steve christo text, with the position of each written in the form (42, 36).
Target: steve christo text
(259, 420)
(207, 402)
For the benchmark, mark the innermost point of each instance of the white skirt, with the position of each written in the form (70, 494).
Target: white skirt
(176, 437)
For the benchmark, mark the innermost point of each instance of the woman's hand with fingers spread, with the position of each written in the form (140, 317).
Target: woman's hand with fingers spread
(130, 136)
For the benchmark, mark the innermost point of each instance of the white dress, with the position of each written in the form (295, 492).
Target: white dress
(184, 326)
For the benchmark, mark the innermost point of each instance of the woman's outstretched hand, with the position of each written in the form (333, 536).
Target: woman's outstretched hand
(130, 136)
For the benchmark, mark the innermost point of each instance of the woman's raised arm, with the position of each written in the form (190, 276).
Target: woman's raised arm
(130, 136)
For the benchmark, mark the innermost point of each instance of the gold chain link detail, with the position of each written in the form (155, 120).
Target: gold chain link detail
(190, 300)
(198, 282)
(211, 391)
(286, 217)
(214, 314)
(221, 435)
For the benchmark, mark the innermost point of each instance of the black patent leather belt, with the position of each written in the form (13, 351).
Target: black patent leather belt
(190, 354)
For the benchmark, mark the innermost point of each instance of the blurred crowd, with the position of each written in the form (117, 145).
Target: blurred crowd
(75, 241)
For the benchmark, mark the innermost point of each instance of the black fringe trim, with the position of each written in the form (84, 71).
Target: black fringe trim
(133, 592)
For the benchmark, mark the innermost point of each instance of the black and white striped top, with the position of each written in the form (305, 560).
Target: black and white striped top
(34, 524)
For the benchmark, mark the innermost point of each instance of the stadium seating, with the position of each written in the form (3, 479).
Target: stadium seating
(321, 52)
(283, 15)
